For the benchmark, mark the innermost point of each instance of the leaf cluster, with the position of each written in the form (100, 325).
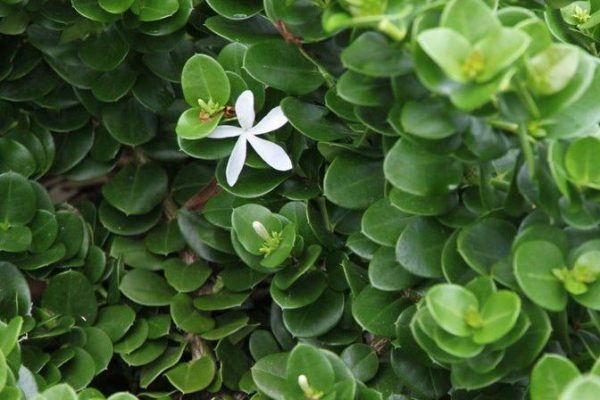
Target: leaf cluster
(436, 237)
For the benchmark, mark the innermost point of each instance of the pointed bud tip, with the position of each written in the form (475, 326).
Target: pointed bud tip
(260, 230)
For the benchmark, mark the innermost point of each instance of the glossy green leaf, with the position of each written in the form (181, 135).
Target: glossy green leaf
(449, 305)
(204, 79)
(282, 66)
(136, 189)
(550, 376)
(192, 376)
(533, 264)
(353, 182)
(146, 287)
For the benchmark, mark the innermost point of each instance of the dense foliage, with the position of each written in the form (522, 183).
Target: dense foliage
(299, 199)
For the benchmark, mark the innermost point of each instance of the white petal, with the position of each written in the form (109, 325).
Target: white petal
(244, 109)
(236, 161)
(274, 120)
(225, 131)
(273, 154)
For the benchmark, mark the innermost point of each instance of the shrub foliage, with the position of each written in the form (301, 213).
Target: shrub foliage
(299, 199)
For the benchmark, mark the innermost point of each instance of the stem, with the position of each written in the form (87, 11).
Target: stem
(324, 213)
(528, 99)
(329, 79)
(170, 208)
(527, 150)
(503, 125)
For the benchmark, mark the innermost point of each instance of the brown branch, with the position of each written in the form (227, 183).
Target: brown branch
(197, 201)
(287, 35)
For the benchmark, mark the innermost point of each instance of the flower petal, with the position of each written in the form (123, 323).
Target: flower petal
(236, 161)
(244, 109)
(273, 154)
(274, 120)
(225, 131)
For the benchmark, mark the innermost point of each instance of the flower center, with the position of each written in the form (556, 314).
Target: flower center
(473, 318)
(473, 64)
(271, 241)
(582, 15)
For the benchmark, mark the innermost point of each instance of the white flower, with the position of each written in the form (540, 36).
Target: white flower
(273, 154)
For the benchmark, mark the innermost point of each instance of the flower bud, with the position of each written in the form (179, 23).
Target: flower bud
(260, 230)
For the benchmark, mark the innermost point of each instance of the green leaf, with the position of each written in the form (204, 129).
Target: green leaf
(115, 6)
(115, 320)
(553, 68)
(136, 190)
(99, 346)
(129, 122)
(313, 364)
(92, 10)
(372, 54)
(462, 347)
(59, 392)
(385, 273)
(149, 352)
(362, 361)
(191, 126)
(135, 337)
(262, 343)
(44, 230)
(448, 305)
(9, 335)
(306, 290)
(580, 162)
(234, 9)
(146, 288)
(104, 51)
(313, 121)
(383, 223)
(153, 10)
(17, 200)
(15, 239)
(3, 371)
(204, 79)
(220, 301)
(269, 374)
(376, 311)
(282, 66)
(317, 318)
(533, 264)
(415, 170)
(153, 370)
(427, 382)
(186, 277)
(364, 90)
(471, 18)
(192, 376)
(550, 376)
(79, 371)
(70, 293)
(582, 388)
(187, 317)
(499, 314)
(494, 235)
(448, 49)
(165, 239)
(499, 50)
(227, 324)
(14, 156)
(420, 245)
(253, 30)
(353, 182)
(428, 120)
